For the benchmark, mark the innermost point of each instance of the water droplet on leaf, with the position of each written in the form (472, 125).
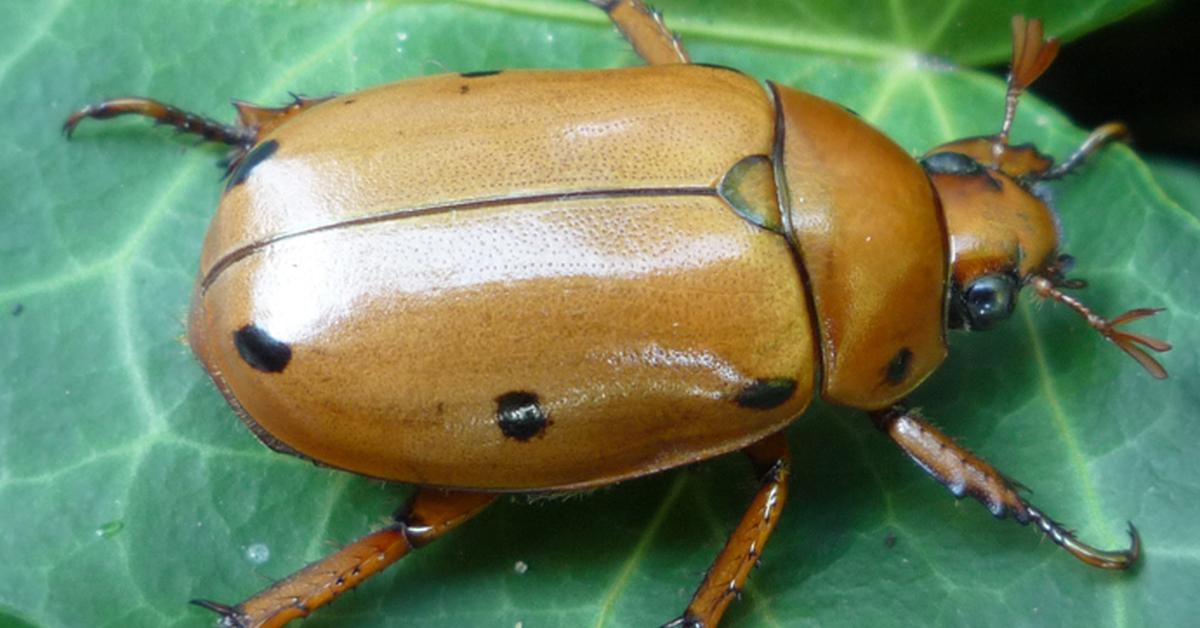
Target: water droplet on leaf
(258, 553)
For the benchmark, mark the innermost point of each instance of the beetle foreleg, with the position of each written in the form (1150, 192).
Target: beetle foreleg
(645, 30)
(966, 474)
(724, 580)
(427, 515)
(211, 130)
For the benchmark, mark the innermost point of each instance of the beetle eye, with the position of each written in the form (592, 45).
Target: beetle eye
(987, 301)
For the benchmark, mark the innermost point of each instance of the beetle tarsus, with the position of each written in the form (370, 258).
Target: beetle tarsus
(956, 468)
(231, 616)
(1097, 139)
(1104, 559)
(161, 113)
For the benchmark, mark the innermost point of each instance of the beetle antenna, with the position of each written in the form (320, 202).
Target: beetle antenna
(1032, 54)
(1048, 287)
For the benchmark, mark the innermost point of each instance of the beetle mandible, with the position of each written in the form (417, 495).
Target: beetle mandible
(517, 310)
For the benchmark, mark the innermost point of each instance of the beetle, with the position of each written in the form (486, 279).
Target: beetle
(518, 310)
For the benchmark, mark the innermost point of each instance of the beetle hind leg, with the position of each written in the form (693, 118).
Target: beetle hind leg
(427, 515)
(966, 474)
(234, 135)
(254, 121)
(645, 30)
(728, 573)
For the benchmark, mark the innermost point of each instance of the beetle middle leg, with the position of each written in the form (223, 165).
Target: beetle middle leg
(427, 515)
(966, 474)
(772, 461)
(645, 30)
(1097, 139)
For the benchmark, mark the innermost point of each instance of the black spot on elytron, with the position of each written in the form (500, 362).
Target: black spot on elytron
(519, 415)
(349, 101)
(260, 350)
(256, 156)
(897, 369)
(764, 394)
(463, 89)
(478, 74)
(17, 309)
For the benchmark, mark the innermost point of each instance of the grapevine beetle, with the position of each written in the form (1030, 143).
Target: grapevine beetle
(473, 321)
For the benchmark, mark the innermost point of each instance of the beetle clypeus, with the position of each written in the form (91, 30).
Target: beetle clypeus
(472, 321)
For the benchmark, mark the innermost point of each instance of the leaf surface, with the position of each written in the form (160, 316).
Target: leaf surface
(127, 486)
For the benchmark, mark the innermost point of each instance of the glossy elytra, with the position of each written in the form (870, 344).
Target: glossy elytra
(555, 280)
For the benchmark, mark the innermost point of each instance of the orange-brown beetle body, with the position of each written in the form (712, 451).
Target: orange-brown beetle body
(537, 281)
(529, 235)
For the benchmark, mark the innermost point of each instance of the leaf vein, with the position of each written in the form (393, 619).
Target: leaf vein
(1074, 452)
(35, 35)
(619, 584)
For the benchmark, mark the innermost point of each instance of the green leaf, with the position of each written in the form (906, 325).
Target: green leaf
(127, 486)
(1179, 179)
(967, 31)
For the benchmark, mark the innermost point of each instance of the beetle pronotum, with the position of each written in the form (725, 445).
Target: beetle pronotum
(551, 242)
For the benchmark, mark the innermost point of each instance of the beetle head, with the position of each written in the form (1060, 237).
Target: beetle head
(1004, 236)
(1000, 235)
